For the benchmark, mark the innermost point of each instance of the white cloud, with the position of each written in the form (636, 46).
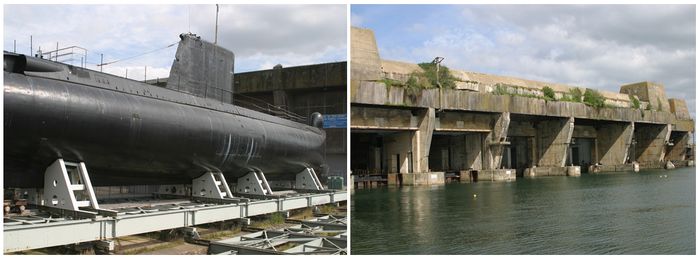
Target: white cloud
(274, 32)
(356, 20)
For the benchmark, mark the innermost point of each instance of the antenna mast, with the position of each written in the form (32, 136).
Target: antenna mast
(216, 39)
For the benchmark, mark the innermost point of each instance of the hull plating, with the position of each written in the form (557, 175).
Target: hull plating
(132, 138)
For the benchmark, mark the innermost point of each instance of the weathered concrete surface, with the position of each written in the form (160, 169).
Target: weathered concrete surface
(554, 137)
(613, 146)
(679, 108)
(423, 138)
(650, 92)
(651, 142)
(382, 117)
(495, 140)
(291, 78)
(364, 56)
(376, 93)
(463, 121)
(573, 170)
(594, 169)
(424, 178)
(470, 119)
(397, 150)
(496, 175)
(677, 151)
(545, 171)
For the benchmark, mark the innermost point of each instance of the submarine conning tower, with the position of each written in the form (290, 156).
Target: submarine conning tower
(202, 69)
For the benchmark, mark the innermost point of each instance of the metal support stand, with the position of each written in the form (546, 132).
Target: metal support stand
(187, 231)
(254, 183)
(67, 186)
(211, 185)
(307, 180)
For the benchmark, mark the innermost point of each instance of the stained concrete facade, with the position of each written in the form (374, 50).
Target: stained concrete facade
(471, 129)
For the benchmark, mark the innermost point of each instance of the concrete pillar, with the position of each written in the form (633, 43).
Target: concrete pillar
(474, 150)
(282, 99)
(495, 141)
(614, 143)
(678, 150)
(553, 140)
(422, 139)
(651, 142)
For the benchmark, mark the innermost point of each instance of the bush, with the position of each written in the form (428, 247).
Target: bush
(593, 98)
(548, 93)
(447, 80)
(389, 83)
(635, 101)
(660, 106)
(576, 94)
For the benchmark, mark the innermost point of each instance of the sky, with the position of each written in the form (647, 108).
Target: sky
(260, 36)
(591, 46)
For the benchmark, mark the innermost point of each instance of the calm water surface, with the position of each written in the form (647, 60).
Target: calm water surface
(615, 213)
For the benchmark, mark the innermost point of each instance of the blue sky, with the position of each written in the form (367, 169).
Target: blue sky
(592, 46)
(260, 36)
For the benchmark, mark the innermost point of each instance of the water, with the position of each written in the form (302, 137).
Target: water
(615, 213)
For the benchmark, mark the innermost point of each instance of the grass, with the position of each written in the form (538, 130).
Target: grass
(328, 209)
(156, 248)
(274, 219)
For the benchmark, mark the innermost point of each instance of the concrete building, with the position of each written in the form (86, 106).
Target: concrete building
(477, 134)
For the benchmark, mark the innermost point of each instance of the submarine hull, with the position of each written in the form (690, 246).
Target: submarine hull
(130, 133)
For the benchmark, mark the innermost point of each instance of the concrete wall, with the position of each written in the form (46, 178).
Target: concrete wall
(649, 92)
(397, 152)
(553, 138)
(291, 78)
(486, 102)
(382, 117)
(677, 151)
(613, 146)
(424, 178)
(679, 108)
(651, 139)
(364, 56)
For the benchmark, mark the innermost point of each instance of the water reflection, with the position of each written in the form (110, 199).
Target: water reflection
(623, 213)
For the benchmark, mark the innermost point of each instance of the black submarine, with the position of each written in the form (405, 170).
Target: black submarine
(132, 133)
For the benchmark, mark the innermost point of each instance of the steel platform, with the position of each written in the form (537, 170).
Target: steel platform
(39, 231)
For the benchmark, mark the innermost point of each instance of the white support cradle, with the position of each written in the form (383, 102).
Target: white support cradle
(67, 186)
(211, 185)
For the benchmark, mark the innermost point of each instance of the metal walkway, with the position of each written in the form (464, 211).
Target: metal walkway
(32, 232)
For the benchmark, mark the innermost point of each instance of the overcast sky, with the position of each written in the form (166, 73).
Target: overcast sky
(260, 36)
(592, 46)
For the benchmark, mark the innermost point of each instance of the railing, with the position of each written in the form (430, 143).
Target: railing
(68, 55)
(264, 107)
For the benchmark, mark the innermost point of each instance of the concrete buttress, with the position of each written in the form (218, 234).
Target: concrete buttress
(553, 140)
(614, 145)
(423, 138)
(495, 141)
(651, 142)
